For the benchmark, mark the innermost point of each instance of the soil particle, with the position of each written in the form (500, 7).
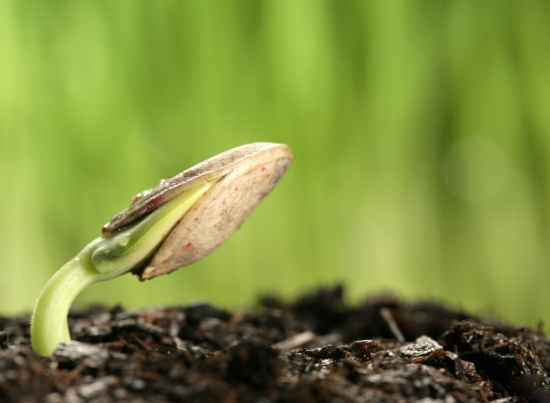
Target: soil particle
(317, 349)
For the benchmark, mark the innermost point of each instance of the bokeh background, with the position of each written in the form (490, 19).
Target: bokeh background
(421, 133)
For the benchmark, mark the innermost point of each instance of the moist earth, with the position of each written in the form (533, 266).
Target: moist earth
(316, 349)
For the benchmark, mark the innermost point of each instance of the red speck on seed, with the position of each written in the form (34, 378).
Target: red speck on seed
(189, 244)
(153, 203)
(236, 189)
(223, 202)
(194, 209)
(263, 169)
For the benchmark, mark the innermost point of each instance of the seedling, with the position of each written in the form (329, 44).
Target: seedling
(175, 224)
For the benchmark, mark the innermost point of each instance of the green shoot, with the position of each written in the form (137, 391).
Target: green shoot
(103, 259)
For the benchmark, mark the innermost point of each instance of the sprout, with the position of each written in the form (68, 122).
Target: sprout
(175, 224)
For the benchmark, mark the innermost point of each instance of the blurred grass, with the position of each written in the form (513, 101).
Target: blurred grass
(421, 135)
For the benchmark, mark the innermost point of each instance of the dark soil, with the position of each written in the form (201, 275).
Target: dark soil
(317, 349)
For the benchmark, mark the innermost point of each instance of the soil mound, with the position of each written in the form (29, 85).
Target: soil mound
(316, 349)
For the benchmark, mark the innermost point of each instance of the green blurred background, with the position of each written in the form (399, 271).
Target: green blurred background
(421, 133)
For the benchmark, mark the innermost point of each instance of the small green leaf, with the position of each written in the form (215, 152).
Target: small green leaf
(127, 248)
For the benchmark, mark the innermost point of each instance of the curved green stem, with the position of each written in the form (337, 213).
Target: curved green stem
(102, 259)
(49, 320)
